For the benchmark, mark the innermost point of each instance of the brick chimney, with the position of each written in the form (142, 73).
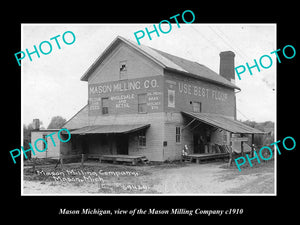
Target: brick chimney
(227, 65)
(36, 124)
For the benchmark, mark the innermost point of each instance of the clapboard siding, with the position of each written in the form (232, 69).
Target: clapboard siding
(173, 150)
(138, 66)
(154, 142)
(172, 91)
(154, 134)
(214, 98)
(52, 151)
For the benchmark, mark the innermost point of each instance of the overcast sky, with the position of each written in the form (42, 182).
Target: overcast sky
(51, 84)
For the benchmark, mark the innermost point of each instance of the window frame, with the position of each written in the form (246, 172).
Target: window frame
(178, 134)
(104, 107)
(200, 106)
(142, 140)
(143, 103)
(123, 73)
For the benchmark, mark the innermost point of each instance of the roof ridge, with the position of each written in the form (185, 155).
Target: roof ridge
(160, 59)
(212, 77)
(171, 54)
(167, 61)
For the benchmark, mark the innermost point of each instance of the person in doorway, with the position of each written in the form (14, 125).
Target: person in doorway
(185, 151)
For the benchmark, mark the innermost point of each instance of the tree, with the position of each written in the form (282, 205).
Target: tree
(27, 137)
(56, 122)
(262, 139)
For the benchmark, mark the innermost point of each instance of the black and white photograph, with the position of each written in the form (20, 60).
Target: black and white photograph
(165, 109)
(127, 112)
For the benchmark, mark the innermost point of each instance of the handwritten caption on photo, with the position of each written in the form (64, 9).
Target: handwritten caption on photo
(80, 176)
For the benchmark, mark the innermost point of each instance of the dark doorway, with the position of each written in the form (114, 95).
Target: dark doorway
(198, 144)
(122, 144)
(85, 145)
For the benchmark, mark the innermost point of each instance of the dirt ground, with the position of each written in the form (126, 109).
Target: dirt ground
(165, 178)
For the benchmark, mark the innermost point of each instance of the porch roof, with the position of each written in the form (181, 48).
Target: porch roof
(223, 123)
(110, 129)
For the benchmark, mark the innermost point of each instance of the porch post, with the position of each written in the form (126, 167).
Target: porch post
(110, 139)
(61, 160)
(252, 145)
(230, 149)
(82, 159)
(33, 165)
(242, 146)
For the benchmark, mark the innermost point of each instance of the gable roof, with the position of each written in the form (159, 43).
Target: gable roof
(80, 119)
(167, 61)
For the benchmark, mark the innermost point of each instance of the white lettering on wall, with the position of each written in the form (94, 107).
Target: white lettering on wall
(189, 89)
(123, 86)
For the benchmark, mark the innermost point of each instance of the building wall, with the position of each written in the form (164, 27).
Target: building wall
(122, 96)
(154, 134)
(154, 140)
(141, 76)
(173, 149)
(52, 151)
(184, 90)
(137, 66)
(214, 98)
(167, 94)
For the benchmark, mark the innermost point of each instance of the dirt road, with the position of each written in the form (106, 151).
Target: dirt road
(209, 178)
(213, 178)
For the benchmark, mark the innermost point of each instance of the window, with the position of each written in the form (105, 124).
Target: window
(224, 136)
(197, 107)
(178, 134)
(104, 105)
(142, 104)
(123, 70)
(142, 138)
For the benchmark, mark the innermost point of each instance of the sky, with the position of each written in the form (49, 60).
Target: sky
(51, 84)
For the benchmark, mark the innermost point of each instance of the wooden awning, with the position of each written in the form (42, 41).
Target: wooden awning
(110, 129)
(223, 123)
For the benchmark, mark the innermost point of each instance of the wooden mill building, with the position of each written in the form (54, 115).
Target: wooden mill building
(145, 102)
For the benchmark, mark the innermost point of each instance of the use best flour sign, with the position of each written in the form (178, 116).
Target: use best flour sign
(123, 96)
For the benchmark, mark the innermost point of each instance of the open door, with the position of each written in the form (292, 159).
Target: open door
(122, 144)
(198, 144)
